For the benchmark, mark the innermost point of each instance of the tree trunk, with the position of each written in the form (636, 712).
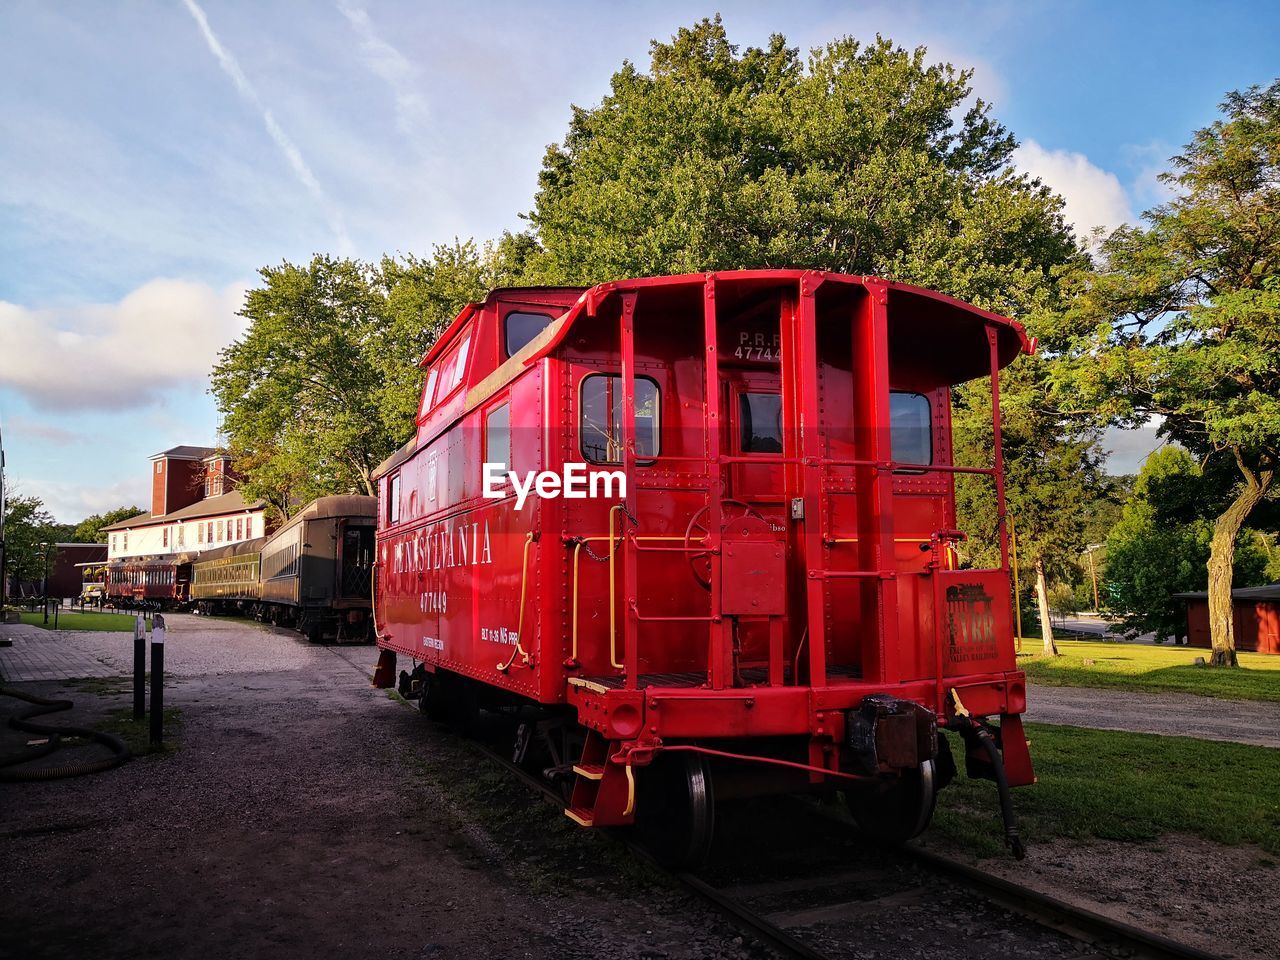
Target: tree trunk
(1222, 555)
(1042, 600)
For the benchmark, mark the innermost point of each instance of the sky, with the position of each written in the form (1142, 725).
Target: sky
(154, 154)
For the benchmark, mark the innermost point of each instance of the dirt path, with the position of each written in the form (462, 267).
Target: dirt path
(286, 824)
(1174, 714)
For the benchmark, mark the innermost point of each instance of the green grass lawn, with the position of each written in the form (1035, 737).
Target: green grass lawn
(1125, 786)
(89, 620)
(1153, 669)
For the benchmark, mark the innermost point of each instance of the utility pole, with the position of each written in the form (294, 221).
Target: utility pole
(1093, 572)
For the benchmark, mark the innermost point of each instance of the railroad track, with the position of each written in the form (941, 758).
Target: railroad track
(829, 903)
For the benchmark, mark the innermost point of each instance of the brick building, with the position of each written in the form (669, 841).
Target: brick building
(195, 506)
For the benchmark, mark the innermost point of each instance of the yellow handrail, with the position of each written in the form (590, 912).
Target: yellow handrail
(524, 583)
(577, 549)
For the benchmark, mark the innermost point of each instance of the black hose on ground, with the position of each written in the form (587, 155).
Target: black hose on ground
(22, 720)
(1011, 838)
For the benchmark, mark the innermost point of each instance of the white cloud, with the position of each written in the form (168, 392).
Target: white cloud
(1094, 197)
(231, 67)
(164, 334)
(71, 503)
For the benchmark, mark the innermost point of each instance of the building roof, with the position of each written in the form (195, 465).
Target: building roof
(233, 502)
(1270, 591)
(185, 453)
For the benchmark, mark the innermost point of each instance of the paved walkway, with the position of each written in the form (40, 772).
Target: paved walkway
(1172, 714)
(39, 654)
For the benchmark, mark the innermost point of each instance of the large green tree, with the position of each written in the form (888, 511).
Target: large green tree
(27, 526)
(861, 158)
(1182, 322)
(89, 530)
(867, 159)
(324, 383)
(1161, 544)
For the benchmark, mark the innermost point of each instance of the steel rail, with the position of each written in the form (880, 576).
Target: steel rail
(1057, 914)
(1078, 923)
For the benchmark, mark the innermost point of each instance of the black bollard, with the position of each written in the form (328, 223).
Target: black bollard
(139, 668)
(157, 680)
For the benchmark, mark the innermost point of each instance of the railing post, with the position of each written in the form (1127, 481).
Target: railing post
(139, 667)
(720, 633)
(875, 483)
(157, 680)
(630, 576)
(800, 380)
(997, 450)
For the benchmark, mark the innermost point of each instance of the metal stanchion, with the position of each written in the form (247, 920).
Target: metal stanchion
(157, 680)
(139, 668)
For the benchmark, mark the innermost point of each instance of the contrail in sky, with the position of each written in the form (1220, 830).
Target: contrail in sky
(413, 114)
(290, 150)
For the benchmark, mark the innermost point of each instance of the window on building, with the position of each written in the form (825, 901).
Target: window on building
(182, 535)
(520, 328)
(209, 532)
(910, 428)
(159, 466)
(760, 422)
(497, 435)
(239, 528)
(199, 533)
(113, 543)
(600, 420)
(164, 536)
(125, 540)
(221, 531)
(393, 499)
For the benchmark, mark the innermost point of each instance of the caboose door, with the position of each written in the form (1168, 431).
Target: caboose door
(751, 410)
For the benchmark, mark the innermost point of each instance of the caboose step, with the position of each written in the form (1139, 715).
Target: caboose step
(579, 815)
(589, 771)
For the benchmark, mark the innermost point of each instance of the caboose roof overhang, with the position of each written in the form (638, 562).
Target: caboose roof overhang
(944, 331)
(939, 329)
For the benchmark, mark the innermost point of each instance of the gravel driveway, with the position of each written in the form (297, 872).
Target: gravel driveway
(1173, 714)
(287, 823)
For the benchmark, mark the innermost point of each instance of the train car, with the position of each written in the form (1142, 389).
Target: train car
(158, 584)
(314, 573)
(228, 579)
(317, 569)
(749, 583)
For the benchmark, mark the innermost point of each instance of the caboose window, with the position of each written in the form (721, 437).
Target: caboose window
(393, 499)
(497, 435)
(428, 391)
(760, 418)
(521, 328)
(600, 427)
(910, 429)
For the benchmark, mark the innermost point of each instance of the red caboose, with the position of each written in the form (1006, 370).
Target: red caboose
(773, 605)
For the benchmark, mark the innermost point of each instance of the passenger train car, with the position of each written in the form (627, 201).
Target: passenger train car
(314, 573)
(774, 604)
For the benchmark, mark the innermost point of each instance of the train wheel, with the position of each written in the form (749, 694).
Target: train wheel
(675, 809)
(462, 705)
(432, 701)
(889, 816)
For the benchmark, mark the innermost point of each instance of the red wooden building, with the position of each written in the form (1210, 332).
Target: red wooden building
(1257, 618)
